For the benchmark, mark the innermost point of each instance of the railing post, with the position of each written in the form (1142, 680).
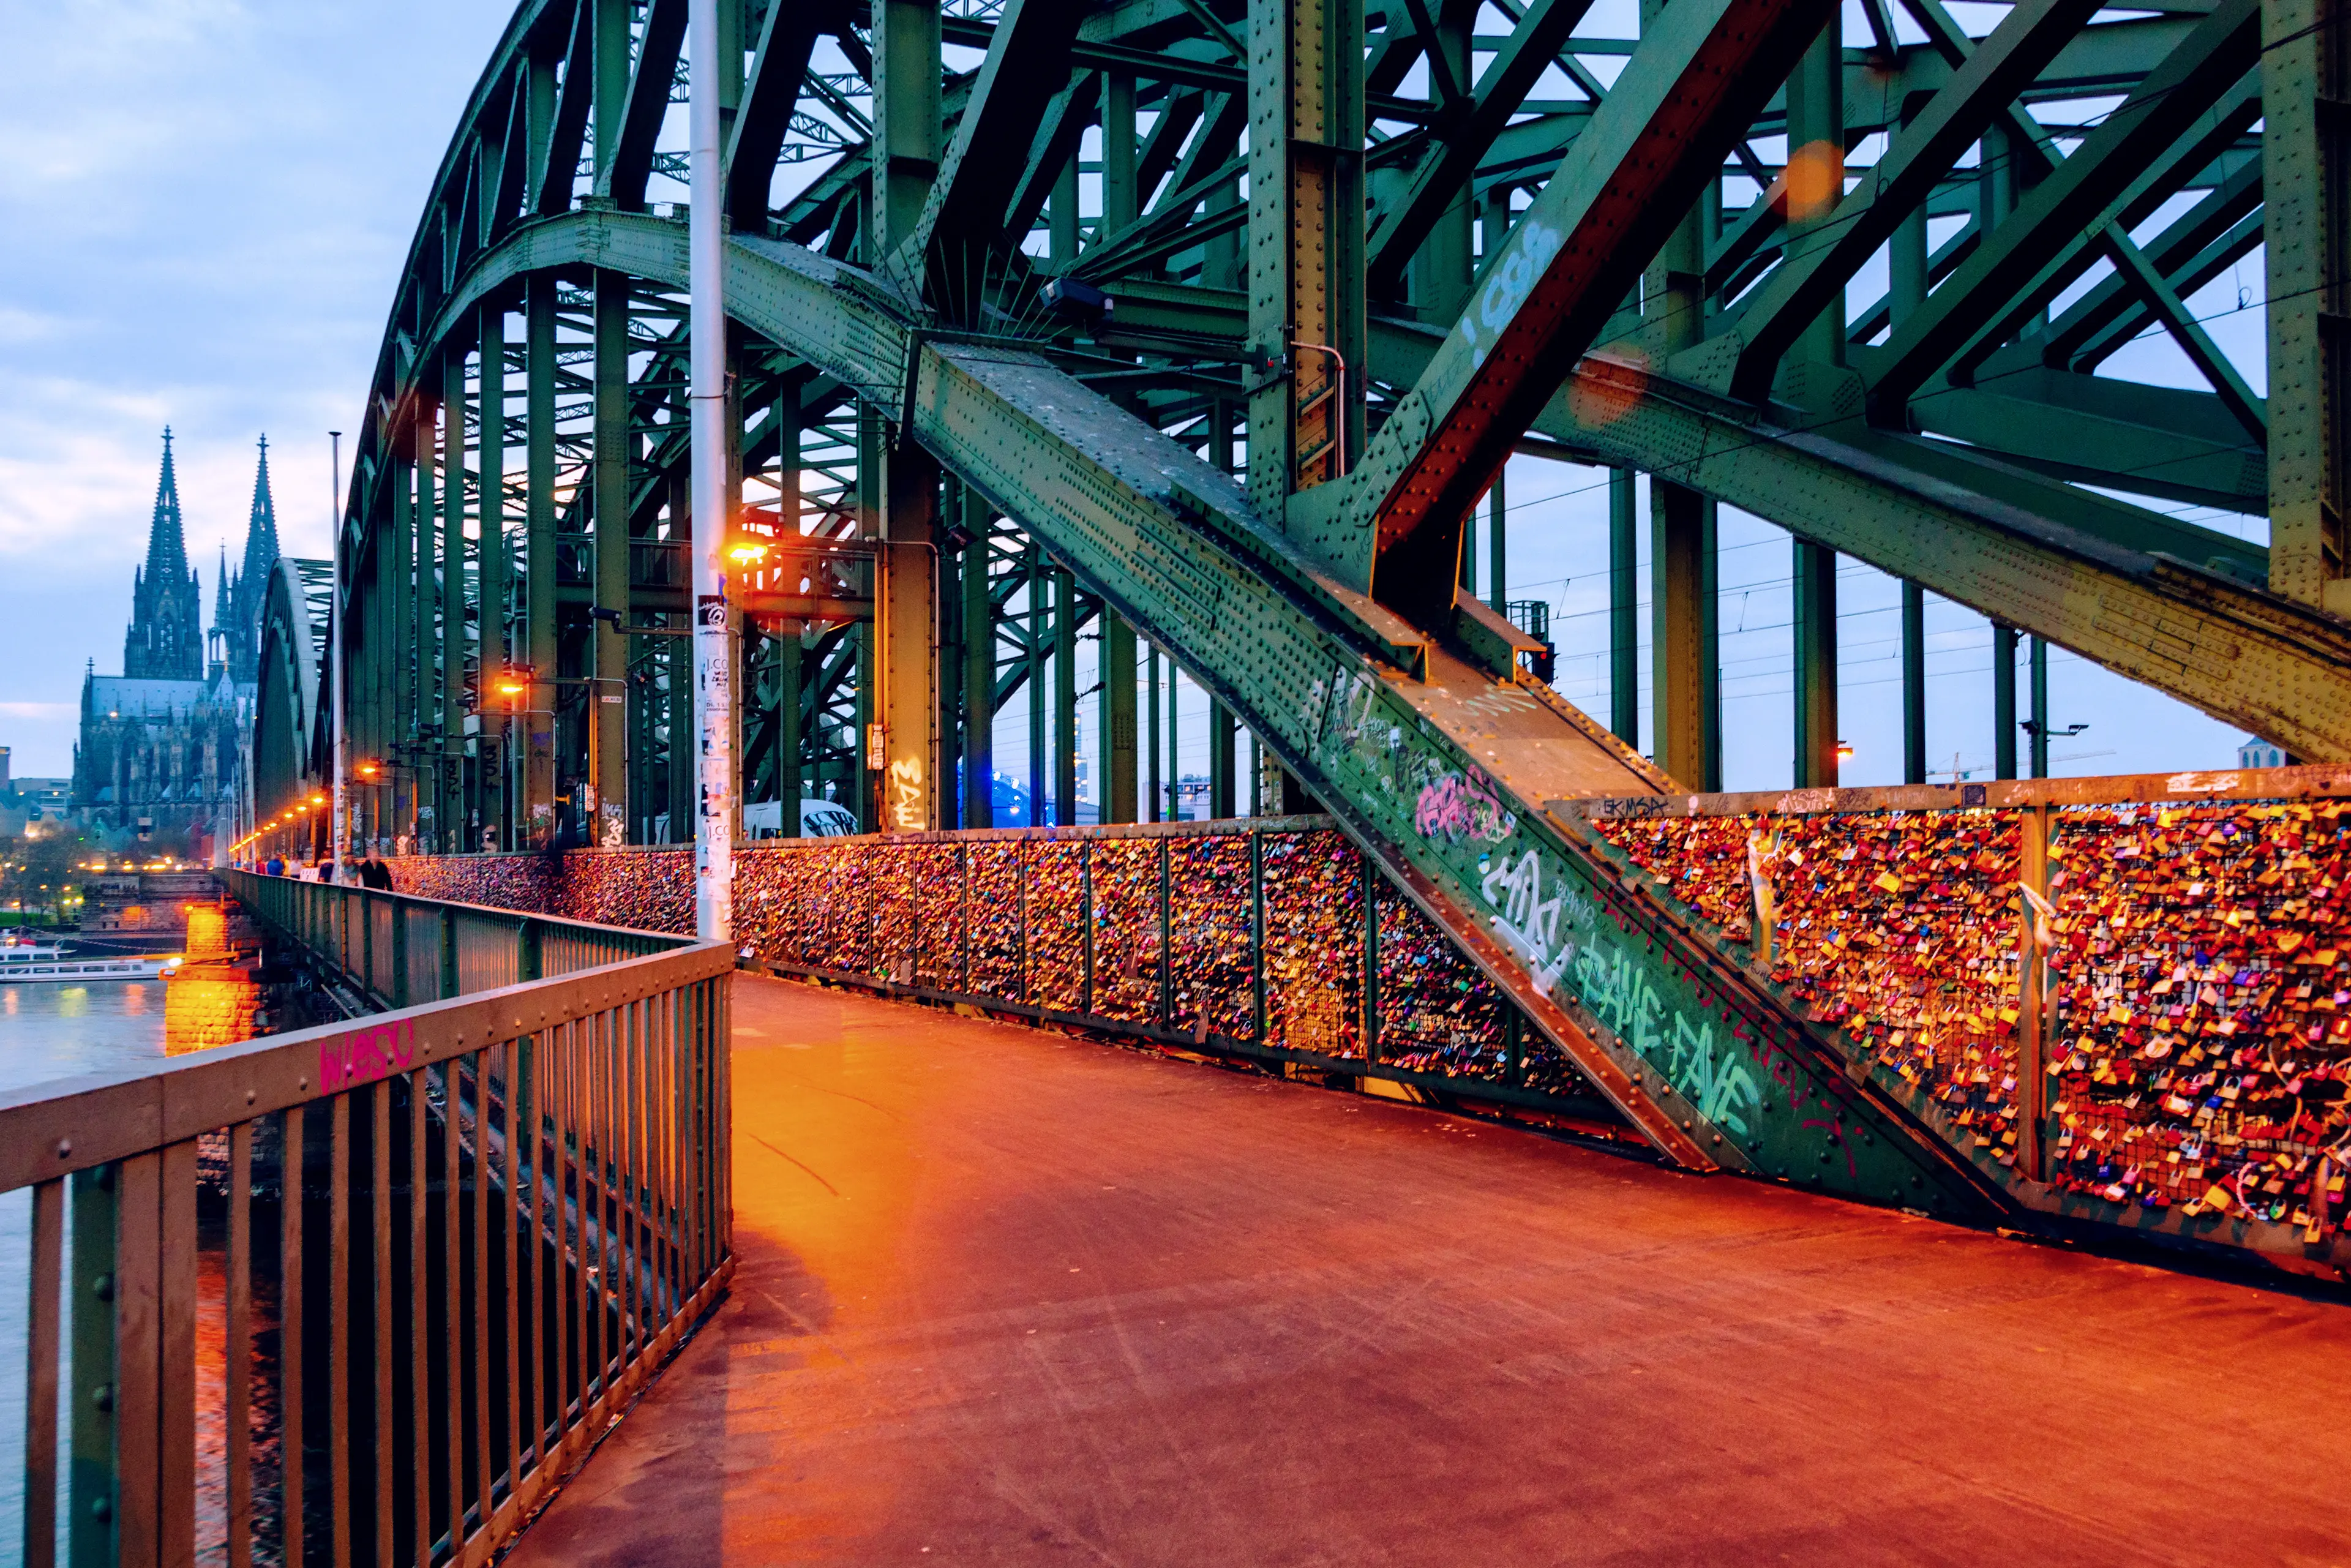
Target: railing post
(1257, 934)
(2032, 986)
(1086, 914)
(1166, 935)
(1371, 959)
(448, 952)
(91, 1481)
(399, 955)
(530, 950)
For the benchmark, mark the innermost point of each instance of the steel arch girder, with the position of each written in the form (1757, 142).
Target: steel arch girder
(2244, 655)
(2233, 650)
(1443, 783)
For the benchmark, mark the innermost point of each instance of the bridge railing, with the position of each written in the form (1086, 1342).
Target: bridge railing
(400, 949)
(365, 1291)
(1266, 938)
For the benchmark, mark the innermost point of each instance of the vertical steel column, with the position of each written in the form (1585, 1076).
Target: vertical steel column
(1816, 180)
(1497, 559)
(497, 729)
(1814, 569)
(2307, 221)
(613, 54)
(1914, 684)
(608, 703)
(2038, 663)
(1220, 760)
(1906, 290)
(449, 765)
(1442, 268)
(538, 555)
(1154, 809)
(1036, 575)
(1115, 792)
(871, 441)
(425, 753)
(906, 162)
(1064, 230)
(1684, 646)
(784, 637)
(397, 674)
(790, 675)
(1065, 697)
(906, 610)
(1306, 241)
(905, 116)
(1624, 609)
(952, 664)
(1122, 202)
(2003, 701)
(1174, 753)
(679, 659)
(978, 668)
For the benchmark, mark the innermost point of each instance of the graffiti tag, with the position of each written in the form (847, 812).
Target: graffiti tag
(906, 795)
(1704, 1069)
(1462, 806)
(1527, 921)
(364, 1055)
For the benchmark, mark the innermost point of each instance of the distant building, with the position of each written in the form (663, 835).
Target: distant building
(2259, 754)
(162, 745)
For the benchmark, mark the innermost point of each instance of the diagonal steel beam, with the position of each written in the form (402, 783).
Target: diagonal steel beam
(1689, 93)
(961, 219)
(1920, 154)
(2175, 251)
(770, 93)
(649, 87)
(2165, 105)
(573, 102)
(1456, 148)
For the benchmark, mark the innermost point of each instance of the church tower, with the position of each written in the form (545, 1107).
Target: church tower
(248, 591)
(166, 637)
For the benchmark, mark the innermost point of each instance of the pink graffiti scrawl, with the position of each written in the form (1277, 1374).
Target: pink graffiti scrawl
(1462, 806)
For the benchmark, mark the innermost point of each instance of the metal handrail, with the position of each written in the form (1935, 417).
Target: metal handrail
(480, 1223)
(400, 949)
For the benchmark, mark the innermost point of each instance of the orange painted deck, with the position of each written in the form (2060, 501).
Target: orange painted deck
(1009, 1297)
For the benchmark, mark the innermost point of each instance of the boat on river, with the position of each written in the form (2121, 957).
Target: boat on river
(25, 960)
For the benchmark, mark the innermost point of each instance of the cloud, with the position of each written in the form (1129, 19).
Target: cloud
(207, 203)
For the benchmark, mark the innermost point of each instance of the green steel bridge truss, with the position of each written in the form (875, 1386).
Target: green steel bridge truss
(1202, 326)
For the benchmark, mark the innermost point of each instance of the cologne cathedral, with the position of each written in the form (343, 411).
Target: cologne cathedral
(160, 760)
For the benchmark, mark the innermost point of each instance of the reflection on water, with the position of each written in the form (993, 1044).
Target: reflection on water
(50, 1031)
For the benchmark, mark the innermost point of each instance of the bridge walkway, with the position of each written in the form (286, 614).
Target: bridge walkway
(1004, 1295)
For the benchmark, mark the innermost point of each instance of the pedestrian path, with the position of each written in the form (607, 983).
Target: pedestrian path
(1006, 1296)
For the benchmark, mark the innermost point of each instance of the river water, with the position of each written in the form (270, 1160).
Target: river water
(52, 1032)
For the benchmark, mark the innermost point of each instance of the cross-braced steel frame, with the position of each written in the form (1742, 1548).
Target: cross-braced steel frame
(1195, 330)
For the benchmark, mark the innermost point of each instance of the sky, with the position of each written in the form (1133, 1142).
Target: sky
(205, 205)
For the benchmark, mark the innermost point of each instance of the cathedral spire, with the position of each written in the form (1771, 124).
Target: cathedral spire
(165, 641)
(167, 545)
(249, 590)
(261, 532)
